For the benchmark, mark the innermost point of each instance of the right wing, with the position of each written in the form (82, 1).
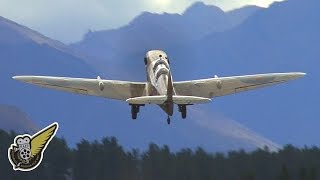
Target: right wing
(120, 90)
(215, 87)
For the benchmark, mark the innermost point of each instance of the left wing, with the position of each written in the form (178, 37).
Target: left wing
(214, 87)
(120, 90)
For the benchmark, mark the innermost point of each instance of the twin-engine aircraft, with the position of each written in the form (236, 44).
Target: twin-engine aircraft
(160, 89)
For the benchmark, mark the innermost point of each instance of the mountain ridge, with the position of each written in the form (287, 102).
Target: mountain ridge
(93, 117)
(223, 53)
(31, 35)
(13, 119)
(175, 29)
(282, 38)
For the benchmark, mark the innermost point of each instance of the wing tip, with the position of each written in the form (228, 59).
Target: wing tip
(302, 73)
(296, 75)
(22, 78)
(16, 77)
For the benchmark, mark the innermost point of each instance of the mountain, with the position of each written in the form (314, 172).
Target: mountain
(84, 117)
(26, 52)
(13, 119)
(281, 38)
(240, 15)
(14, 34)
(284, 37)
(157, 31)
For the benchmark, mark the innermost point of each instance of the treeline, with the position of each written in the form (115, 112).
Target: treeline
(106, 159)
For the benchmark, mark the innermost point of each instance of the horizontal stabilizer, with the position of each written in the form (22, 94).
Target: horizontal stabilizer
(162, 99)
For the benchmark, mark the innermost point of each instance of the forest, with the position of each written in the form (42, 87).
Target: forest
(107, 159)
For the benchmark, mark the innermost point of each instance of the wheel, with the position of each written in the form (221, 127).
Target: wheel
(184, 114)
(183, 110)
(134, 111)
(134, 115)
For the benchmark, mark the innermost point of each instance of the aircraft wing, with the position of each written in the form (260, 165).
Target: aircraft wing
(214, 87)
(120, 90)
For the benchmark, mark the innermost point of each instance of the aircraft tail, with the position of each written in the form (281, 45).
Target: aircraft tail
(169, 88)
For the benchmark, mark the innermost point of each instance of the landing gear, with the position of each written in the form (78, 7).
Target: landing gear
(168, 120)
(135, 108)
(134, 111)
(183, 110)
(134, 115)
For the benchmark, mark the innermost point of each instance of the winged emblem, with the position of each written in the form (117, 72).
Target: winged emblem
(27, 151)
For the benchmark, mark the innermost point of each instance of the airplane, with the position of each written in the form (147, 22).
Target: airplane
(160, 89)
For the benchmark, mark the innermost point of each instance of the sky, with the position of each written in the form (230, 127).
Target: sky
(69, 20)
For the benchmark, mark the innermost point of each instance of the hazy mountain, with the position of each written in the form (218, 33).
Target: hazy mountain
(281, 38)
(284, 37)
(13, 119)
(25, 52)
(158, 31)
(241, 14)
(92, 117)
(12, 33)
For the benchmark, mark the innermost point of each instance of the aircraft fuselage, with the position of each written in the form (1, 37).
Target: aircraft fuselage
(159, 78)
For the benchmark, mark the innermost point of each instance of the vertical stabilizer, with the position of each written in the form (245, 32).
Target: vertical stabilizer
(170, 88)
